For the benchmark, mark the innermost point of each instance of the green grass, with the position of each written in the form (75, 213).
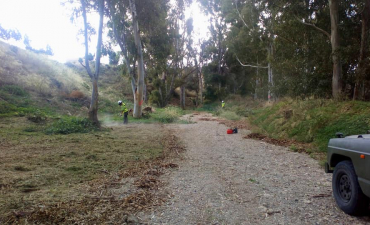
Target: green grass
(160, 115)
(17, 102)
(230, 115)
(313, 121)
(167, 115)
(69, 125)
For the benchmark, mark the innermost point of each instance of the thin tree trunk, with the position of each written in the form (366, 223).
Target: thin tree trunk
(93, 110)
(182, 96)
(364, 36)
(256, 88)
(171, 89)
(270, 74)
(140, 87)
(200, 83)
(335, 45)
(200, 87)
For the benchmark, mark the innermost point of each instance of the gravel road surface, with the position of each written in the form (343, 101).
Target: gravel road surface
(227, 179)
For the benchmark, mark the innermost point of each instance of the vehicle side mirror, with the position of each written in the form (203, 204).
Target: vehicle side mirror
(339, 135)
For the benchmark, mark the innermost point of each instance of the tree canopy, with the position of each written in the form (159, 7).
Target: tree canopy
(261, 48)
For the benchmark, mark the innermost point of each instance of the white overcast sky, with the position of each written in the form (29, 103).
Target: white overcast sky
(48, 22)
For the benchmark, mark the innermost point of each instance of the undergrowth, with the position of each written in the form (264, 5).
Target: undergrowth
(69, 125)
(313, 121)
(167, 115)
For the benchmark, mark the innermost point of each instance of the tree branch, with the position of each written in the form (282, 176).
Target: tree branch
(240, 16)
(314, 26)
(87, 66)
(82, 65)
(250, 65)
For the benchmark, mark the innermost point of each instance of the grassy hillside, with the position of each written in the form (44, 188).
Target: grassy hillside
(312, 121)
(53, 161)
(30, 81)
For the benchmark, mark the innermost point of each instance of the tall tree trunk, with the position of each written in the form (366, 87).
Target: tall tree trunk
(270, 74)
(138, 101)
(200, 79)
(171, 89)
(365, 16)
(335, 45)
(200, 82)
(182, 96)
(256, 88)
(93, 110)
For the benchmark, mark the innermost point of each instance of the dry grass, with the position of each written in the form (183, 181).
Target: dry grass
(68, 178)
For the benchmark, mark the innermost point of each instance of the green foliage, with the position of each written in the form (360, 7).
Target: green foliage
(6, 108)
(15, 90)
(107, 106)
(154, 98)
(208, 106)
(37, 116)
(31, 129)
(167, 115)
(313, 121)
(16, 102)
(71, 125)
(86, 86)
(229, 115)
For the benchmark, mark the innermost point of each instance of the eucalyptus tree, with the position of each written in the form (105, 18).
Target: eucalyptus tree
(83, 8)
(169, 52)
(301, 53)
(7, 34)
(215, 49)
(251, 42)
(126, 16)
(364, 58)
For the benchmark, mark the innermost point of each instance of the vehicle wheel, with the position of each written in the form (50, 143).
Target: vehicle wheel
(347, 191)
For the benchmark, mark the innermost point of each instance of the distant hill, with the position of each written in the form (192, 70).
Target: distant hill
(65, 88)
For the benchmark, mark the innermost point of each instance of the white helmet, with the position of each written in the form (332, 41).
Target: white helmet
(119, 102)
(222, 100)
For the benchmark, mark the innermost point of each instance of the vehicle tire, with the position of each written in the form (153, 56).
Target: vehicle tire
(347, 192)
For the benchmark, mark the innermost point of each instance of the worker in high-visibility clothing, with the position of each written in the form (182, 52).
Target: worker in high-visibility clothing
(223, 104)
(124, 111)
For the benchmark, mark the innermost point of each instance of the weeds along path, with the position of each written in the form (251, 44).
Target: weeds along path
(226, 179)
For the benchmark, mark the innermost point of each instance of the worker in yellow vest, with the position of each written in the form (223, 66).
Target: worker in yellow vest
(124, 111)
(223, 104)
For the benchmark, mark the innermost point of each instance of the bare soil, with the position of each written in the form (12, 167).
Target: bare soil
(228, 179)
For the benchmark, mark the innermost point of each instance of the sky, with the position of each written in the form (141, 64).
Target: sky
(47, 22)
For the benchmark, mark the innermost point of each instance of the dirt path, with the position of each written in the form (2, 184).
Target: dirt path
(226, 179)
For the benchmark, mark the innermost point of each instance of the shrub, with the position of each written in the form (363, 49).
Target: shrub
(37, 116)
(243, 111)
(76, 95)
(15, 90)
(71, 125)
(105, 105)
(7, 108)
(230, 115)
(30, 129)
(167, 115)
